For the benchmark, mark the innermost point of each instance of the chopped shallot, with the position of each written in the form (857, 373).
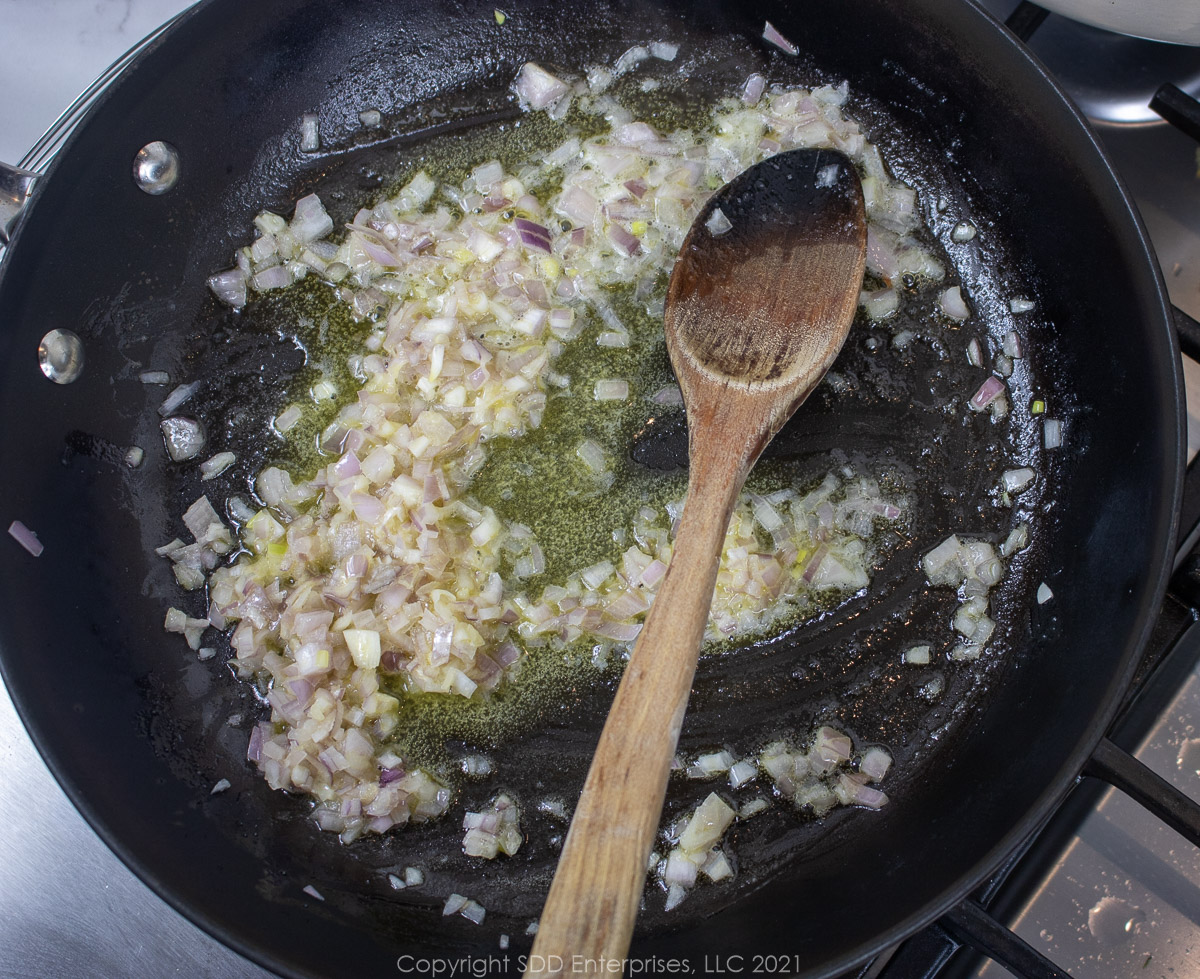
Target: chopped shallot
(953, 304)
(538, 88)
(183, 437)
(177, 397)
(310, 139)
(755, 85)
(917, 654)
(26, 538)
(718, 223)
(1015, 480)
(988, 392)
(216, 465)
(774, 37)
(1052, 433)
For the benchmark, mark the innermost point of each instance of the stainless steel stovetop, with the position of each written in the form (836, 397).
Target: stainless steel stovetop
(1121, 898)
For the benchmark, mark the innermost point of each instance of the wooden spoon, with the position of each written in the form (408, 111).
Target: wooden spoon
(758, 306)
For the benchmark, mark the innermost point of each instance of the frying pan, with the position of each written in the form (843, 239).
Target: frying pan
(137, 730)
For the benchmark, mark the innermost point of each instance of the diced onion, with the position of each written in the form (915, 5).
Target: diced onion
(974, 357)
(26, 538)
(537, 87)
(752, 91)
(827, 176)
(626, 243)
(630, 59)
(287, 419)
(753, 807)
(613, 338)
(596, 575)
(875, 764)
(718, 223)
(310, 221)
(741, 773)
(773, 36)
(310, 138)
(611, 390)
(178, 397)
(274, 485)
(989, 391)
(880, 304)
(675, 895)
(275, 277)
(1012, 345)
(229, 287)
(592, 455)
(1052, 433)
(715, 763)
(1017, 540)
(183, 437)
(858, 793)
(952, 304)
(670, 395)
(1015, 480)
(707, 824)
(216, 465)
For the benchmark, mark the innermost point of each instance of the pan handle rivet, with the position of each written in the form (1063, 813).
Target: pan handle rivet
(156, 167)
(60, 355)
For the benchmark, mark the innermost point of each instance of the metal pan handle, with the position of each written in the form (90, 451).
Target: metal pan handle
(17, 182)
(16, 186)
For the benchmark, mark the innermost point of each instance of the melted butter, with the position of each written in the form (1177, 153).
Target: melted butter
(539, 479)
(310, 315)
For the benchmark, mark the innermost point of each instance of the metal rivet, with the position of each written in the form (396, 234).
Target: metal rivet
(60, 355)
(156, 167)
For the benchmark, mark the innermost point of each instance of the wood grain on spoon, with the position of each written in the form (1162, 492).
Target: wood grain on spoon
(755, 315)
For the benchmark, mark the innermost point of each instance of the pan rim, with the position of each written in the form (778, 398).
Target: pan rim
(1151, 597)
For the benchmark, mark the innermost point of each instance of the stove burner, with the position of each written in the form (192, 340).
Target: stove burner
(1112, 77)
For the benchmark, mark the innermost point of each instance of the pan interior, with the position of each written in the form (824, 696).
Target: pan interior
(139, 732)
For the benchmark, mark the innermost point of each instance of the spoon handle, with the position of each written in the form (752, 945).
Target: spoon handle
(597, 888)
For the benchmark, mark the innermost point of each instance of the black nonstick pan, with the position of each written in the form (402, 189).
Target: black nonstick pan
(136, 728)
